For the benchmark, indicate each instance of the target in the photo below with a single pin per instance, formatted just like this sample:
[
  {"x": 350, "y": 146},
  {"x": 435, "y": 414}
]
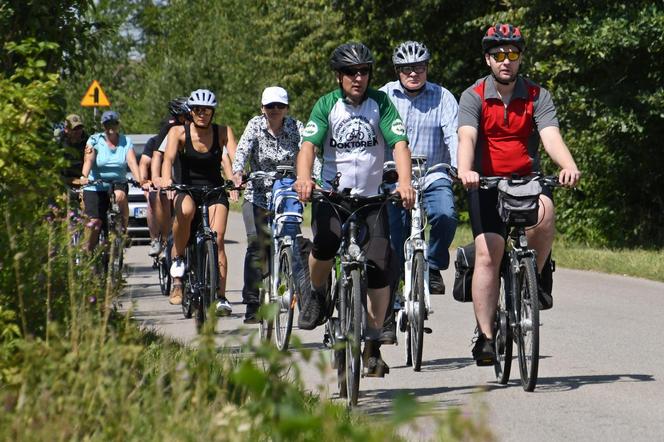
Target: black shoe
[
  {"x": 484, "y": 351},
  {"x": 389, "y": 334},
  {"x": 374, "y": 366},
  {"x": 311, "y": 308},
  {"x": 251, "y": 315},
  {"x": 436, "y": 284},
  {"x": 545, "y": 298}
]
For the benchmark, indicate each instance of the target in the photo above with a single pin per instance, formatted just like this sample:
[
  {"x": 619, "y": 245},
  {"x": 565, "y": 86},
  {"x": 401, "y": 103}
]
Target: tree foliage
[{"x": 599, "y": 59}]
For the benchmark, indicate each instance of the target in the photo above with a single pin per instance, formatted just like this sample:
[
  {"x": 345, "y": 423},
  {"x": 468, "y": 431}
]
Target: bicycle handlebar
[{"x": 546, "y": 180}]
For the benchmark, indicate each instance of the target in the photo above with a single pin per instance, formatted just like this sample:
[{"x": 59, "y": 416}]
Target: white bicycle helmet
[
  {"x": 202, "y": 97},
  {"x": 410, "y": 52}
]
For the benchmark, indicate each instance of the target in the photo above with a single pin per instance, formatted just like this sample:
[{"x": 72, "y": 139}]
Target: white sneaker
[
  {"x": 177, "y": 268},
  {"x": 155, "y": 248},
  {"x": 223, "y": 307}
]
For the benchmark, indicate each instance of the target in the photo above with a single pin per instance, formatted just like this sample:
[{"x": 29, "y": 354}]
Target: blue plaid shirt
[{"x": 431, "y": 123}]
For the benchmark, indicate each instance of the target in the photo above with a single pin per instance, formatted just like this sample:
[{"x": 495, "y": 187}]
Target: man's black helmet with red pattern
[{"x": 503, "y": 34}]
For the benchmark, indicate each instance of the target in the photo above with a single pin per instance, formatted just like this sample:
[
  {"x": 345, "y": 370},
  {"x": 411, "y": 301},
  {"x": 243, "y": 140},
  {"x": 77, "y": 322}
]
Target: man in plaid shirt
[{"x": 429, "y": 113}]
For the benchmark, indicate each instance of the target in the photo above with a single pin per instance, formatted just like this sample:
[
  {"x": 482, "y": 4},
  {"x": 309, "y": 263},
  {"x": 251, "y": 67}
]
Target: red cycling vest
[{"x": 505, "y": 132}]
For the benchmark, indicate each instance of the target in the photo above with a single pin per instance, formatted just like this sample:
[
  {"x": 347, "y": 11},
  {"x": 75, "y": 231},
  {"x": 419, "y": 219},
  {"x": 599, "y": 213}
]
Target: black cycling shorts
[
  {"x": 326, "y": 227},
  {"x": 97, "y": 202},
  {"x": 483, "y": 211},
  {"x": 218, "y": 197}
]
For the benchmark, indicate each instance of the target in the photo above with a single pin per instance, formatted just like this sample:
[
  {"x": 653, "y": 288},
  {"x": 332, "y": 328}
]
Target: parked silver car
[{"x": 138, "y": 206}]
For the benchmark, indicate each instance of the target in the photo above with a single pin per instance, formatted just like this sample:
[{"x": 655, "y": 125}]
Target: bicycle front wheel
[
  {"x": 285, "y": 299},
  {"x": 418, "y": 310},
  {"x": 503, "y": 330},
  {"x": 208, "y": 282},
  {"x": 164, "y": 276},
  {"x": 528, "y": 324},
  {"x": 353, "y": 335}
]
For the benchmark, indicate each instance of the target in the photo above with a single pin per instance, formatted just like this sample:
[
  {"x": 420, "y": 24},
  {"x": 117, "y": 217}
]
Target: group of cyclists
[{"x": 494, "y": 130}]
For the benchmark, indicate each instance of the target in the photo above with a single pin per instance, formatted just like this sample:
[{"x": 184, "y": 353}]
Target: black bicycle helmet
[
  {"x": 350, "y": 54},
  {"x": 503, "y": 34},
  {"x": 178, "y": 106}
]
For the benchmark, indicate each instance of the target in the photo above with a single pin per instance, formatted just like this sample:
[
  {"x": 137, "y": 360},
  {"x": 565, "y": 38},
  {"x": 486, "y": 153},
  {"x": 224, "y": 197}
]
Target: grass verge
[{"x": 640, "y": 263}]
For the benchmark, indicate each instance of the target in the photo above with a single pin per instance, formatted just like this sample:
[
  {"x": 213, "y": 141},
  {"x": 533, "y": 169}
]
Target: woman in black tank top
[{"x": 200, "y": 148}]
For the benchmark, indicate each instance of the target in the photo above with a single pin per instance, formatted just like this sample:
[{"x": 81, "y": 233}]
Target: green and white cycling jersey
[{"x": 353, "y": 139}]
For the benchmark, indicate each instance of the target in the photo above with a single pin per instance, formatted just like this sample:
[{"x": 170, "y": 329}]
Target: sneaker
[
  {"x": 155, "y": 248},
  {"x": 311, "y": 308},
  {"x": 389, "y": 334},
  {"x": 374, "y": 365},
  {"x": 177, "y": 268},
  {"x": 251, "y": 315},
  {"x": 175, "y": 298},
  {"x": 223, "y": 307},
  {"x": 436, "y": 284},
  {"x": 484, "y": 351}
]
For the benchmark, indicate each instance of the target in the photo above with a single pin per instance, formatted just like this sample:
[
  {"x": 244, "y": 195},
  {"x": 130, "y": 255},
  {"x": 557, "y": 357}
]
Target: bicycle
[
  {"x": 416, "y": 303},
  {"x": 162, "y": 264},
  {"x": 201, "y": 278},
  {"x": 279, "y": 284},
  {"x": 112, "y": 236},
  {"x": 517, "y": 317},
  {"x": 344, "y": 334}
]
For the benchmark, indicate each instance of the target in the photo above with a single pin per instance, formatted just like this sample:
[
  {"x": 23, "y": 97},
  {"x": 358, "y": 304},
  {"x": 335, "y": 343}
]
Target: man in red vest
[{"x": 502, "y": 118}]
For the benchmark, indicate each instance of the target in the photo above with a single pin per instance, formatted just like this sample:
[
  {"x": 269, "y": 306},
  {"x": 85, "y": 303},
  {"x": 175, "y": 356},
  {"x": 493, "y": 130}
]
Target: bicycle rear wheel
[
  {"x": 528, "y": 324},
  {"x": 353, "y": 335},
  {"x": 503, "y": 329},
  {"x": 188, "y": 285},
  {"x": 418, "y": 309},
  {"x": 208, "y": 282},
  {"x": 266, "y": 325},
  {"x": 285, "y": 299}
]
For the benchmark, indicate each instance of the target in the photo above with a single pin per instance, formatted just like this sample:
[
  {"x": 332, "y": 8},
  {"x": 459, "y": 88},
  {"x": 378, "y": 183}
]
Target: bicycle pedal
[{"x": 427, "y": 330}]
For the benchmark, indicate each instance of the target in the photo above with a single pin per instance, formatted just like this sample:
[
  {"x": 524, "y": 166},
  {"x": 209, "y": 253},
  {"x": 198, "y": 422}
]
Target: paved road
[{"x": 601, "y": 370}]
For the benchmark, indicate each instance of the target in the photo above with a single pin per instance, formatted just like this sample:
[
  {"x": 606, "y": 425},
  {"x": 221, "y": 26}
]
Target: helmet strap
[{"x": 203, "y": 127}]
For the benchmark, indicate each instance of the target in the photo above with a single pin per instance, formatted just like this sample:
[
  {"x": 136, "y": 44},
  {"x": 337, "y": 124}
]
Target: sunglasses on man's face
[
  {"x": 354, "y": 72},
  {"x": 407, "y": 70},
  {"x": 275, "y": 106},
  {"x": 110, "y": 124},
  {"x": 501, "y": 56},
  {"x": 198, "y": 110}
]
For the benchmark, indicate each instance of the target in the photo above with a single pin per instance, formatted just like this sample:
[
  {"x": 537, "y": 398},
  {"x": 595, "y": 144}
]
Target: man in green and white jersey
[{"x": 350, "y": 129}]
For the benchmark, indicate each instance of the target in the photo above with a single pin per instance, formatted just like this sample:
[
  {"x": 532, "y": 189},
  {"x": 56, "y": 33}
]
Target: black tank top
[{"x": 201, "y": 169}]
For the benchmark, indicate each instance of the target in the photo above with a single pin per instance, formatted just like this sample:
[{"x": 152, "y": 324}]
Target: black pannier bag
[
  {"x": 518, "y": 204},
  {"x": 463, "y": 276}
]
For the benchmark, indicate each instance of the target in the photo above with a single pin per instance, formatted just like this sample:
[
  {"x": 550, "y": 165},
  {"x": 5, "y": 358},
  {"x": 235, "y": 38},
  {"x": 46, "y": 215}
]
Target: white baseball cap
[{"x": 274, "y": 94}]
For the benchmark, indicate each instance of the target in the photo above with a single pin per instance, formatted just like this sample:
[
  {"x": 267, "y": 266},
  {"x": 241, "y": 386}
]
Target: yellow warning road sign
[{"x": 95, "y": 96}]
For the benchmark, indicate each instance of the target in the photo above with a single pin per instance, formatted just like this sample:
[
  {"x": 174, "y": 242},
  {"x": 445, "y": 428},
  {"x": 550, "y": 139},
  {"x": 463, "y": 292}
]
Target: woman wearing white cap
[{"x": 270, "y": 139}]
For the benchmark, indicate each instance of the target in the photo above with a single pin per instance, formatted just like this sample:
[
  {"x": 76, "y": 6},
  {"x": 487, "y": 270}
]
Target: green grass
[{"x": 639, "y": 263}]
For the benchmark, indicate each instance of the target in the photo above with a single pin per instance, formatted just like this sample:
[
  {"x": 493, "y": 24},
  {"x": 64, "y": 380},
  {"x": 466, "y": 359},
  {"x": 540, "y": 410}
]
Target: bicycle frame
[{"x": 416, "y": 241}]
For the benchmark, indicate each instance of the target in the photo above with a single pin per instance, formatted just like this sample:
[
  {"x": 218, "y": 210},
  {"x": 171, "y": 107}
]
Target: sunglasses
[
  {"x": 275, "y": 106},
  {"x": 418, "y": 69},
  {"x": 354, "y": 72},
  {"x": 202, "y": 110},
  {"x": 501, "y": 56},
  {"x": 111, "y": 123}
]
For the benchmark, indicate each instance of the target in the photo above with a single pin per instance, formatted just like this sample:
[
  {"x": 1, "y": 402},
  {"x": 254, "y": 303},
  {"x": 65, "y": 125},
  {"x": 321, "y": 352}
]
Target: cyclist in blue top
[{"x": 107, "y": 155}]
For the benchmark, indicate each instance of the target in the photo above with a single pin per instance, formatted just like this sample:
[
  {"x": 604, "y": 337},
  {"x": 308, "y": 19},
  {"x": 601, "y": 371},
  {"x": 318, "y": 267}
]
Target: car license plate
[{"x": 140, "y": 212}]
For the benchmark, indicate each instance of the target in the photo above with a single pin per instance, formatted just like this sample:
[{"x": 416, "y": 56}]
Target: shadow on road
[
  {"x": 549, "y": 385},
  {"x": 380, "y": 401}
]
